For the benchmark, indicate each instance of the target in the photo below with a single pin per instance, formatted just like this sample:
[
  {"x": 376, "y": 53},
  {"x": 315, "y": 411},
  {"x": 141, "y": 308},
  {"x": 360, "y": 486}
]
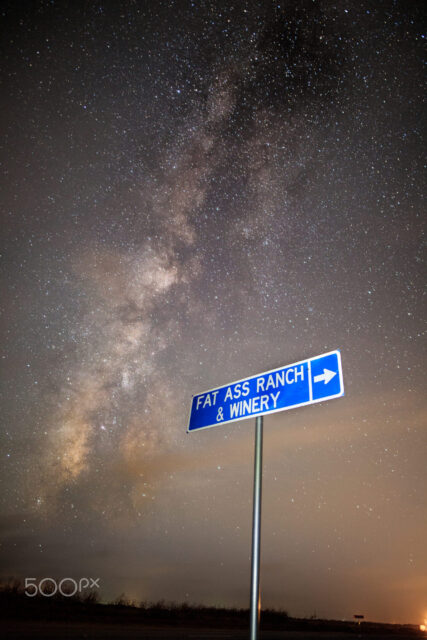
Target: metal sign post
[
  {"x": 295, "y": 385},
  {"x": 256, "y": 531}
]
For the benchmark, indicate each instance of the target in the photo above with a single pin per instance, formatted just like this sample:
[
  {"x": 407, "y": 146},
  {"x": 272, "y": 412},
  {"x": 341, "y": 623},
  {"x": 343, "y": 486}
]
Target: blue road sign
[{"x": 295, "y": 385}]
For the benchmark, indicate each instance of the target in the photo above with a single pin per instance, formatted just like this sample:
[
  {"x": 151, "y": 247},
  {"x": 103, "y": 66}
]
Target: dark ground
[
  {"x": 26, "y": 630},
  {"x": 36, "y": 629},
  {"x": 62, "y": 618}
]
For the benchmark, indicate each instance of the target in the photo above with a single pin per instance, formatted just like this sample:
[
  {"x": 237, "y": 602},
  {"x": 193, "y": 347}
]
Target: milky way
[{"x": 193, "y": 193}]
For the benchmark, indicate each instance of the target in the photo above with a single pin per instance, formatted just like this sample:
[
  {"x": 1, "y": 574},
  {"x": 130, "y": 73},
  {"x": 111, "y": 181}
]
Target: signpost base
[{"x": 256, "y": 532}]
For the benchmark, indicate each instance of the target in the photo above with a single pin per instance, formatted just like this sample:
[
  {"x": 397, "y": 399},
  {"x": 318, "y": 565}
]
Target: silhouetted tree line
[{"x": 85, "y": 607}]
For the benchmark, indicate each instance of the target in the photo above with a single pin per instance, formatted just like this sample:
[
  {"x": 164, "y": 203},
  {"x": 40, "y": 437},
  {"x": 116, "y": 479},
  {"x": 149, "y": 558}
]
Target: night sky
[{"x": 193, "y": 193}]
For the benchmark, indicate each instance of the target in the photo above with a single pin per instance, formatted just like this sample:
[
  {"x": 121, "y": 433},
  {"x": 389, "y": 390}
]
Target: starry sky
[{"x": 193, "y": 193}]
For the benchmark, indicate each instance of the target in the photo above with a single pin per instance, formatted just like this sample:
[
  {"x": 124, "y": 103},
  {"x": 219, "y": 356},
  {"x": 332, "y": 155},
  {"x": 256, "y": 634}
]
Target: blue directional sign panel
[{"x": 295, "y": 385}]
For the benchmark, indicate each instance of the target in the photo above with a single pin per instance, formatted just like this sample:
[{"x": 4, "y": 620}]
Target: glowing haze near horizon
[{"x": 195, "y": 192}]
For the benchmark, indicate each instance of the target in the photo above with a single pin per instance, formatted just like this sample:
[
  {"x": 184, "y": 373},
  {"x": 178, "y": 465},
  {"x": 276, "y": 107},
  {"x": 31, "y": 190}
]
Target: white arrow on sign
[{"x": 326, "y": 376}]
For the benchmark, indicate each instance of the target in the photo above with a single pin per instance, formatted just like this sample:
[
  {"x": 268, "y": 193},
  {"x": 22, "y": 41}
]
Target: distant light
[{"x": 423, "y": 627}]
